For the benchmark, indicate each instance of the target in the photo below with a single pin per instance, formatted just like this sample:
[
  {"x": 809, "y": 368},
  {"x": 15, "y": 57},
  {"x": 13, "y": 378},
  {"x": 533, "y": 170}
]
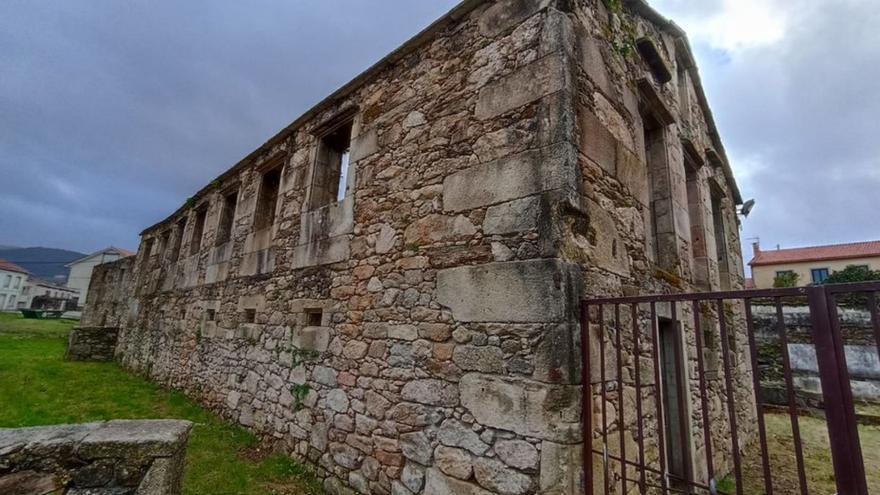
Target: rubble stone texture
[
  {"x": 421, "y": 335},
  {"x": 123, "y": 457}
]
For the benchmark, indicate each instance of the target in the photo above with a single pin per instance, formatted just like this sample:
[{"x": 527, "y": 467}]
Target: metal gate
[{"x": 666, "y": 415}]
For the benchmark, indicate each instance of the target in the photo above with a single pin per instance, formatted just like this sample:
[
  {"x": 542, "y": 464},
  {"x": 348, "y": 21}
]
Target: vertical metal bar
[
  {"x": 586, "y": 398},
  {"x": 658, "y": 398},
  {"x": 621, "y": 429},
  {"x": 789, "y": 390},
  {"x": 848, "y": 426},
  {"x": 704, "y": 392},
  {"x": 637, "y": 354},
  {"x": 680, "y": 370},
  {"x": 604, "y": 399},
  {"x": 875, "y": 319},
  {"x": 731, "y": 400},
  {"x": 756, "y": 383}
]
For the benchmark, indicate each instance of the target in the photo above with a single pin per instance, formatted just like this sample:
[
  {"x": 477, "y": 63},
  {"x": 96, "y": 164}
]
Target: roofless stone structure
[{"x": 388, "y": 288}]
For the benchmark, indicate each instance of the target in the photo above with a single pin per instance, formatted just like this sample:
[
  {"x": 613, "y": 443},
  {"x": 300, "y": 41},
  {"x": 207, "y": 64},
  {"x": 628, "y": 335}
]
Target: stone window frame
[
  {"x": 661, "y": 244},
  {"x": 720, "y": 227},
  {"x": 275, "y": 164},
  {"x": 347, "y": 117},
  {"x": 221, "y": 202},
  {"x": 698, "y": 221},
  {"x": 177, "y": 245},
  {"x": 199, "y": 215}
]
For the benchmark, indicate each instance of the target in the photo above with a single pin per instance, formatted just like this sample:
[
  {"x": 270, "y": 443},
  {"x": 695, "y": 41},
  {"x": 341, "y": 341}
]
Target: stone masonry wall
[
  {"x": 120, "y": 457},
  {"x": 420, "y": 335},
  {"x": 92, "y": 344}
]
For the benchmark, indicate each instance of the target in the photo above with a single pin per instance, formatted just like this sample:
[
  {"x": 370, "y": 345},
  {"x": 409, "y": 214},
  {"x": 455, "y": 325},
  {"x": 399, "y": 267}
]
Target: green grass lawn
[{"x": 37, "y": 387}]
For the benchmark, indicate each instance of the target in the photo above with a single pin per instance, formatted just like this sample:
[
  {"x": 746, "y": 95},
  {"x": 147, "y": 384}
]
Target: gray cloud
[{"x": 112, "y": 113}]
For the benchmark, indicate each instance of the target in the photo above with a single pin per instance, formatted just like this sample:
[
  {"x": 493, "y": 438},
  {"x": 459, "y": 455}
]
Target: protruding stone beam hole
[
  {"x": 314, "y": 317},
  {"x": 250, "y": 315}
]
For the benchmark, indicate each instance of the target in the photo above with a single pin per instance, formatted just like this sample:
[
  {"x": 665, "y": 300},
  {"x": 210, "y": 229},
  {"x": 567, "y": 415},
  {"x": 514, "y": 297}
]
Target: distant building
[
  {"x": 40, "y": 294},
  {"x": 812, "y": 264},
  {"x": 12, "y": 280},
  {"x": 81, "y": 269}
]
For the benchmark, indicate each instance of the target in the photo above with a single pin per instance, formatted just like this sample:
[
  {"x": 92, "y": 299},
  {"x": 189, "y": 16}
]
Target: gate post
[{"x": 849, "y": 467}]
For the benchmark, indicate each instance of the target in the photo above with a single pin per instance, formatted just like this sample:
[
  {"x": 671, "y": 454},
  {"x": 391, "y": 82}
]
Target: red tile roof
[
  {"x": 11, "y": 267},
  {"x": 817, "y": 253}
]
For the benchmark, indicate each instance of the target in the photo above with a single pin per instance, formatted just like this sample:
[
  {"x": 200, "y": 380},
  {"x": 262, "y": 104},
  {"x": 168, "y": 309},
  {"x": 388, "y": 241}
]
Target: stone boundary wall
[
  {"x": 863, "y": 362},
  {"x": 92, "y": 343},
  {"x": 119, "y": 457}
]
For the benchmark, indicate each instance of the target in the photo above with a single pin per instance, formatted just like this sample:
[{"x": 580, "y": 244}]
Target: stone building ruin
[{"x": 389, "y": 287}]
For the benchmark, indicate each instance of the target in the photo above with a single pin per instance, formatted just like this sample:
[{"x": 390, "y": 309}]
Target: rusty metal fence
[{"x": 649, "y": 389}]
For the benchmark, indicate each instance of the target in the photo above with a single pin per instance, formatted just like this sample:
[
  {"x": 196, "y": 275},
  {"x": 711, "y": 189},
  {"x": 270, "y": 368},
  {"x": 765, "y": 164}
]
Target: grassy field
[
  {"x": 817, "y": 457},
  {"x": 37, "y": 387}
]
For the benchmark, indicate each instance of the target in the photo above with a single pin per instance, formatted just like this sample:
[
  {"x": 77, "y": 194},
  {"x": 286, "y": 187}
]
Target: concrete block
[
  {"x": 528, "y": 84},
  {"x": 512, "y": 177},
  {"x": 516, "y": 216},
  {"x": 520, "y": 291},
  {"x": 526, "y": 407}
]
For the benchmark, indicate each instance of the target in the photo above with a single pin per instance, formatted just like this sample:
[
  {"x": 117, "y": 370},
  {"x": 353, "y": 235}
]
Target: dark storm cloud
[{"x": 112, "y": 113}]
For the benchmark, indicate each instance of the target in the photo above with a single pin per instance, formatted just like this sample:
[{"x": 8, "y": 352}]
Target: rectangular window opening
[
  {"x": 819, "y": 275},
  {"x": 267, "y": 201},
  {"x": 164, "y": 242},
  {"x": 655, "y": 149},
  {"x": 148, "y": 248},
  {"x": 227, "y": 218},
  {"x": 332, "y": 167},
  {"x": 178, "y": 240},
  {"x": 314, "y": 317},
  {"x": 250, "y": 315},
  {"x": 210, "y": 315},
  {"x": 198, "y": 231}
]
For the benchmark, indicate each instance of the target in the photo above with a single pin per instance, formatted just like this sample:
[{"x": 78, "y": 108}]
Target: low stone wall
[
  {"x": 115, "y": 457},
  {"x": 862, "y": 359},
  {"x": 92, "y": 343}
]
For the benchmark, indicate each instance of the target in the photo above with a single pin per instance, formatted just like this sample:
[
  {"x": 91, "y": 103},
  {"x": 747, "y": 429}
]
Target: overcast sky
[{"x": 113, "y": 112}]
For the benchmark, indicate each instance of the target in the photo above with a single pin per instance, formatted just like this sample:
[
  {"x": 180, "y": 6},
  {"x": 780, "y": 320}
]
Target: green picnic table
[{"x": 39, "y": 314}]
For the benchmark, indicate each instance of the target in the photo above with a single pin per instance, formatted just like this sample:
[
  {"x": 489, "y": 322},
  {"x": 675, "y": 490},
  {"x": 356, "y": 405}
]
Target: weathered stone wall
[
  {"x": 119, "y": 457},
  {"x": 421, "y": 334},
  {"x": 92, "y": 344},
  {"x": 860, "y": 351}
]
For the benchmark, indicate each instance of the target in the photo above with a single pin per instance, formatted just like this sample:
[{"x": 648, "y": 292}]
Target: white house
[
  {"x": 81, "y": 269},
  {"x": 48, "y": 295},
  {"x": 12, "y": 281}
]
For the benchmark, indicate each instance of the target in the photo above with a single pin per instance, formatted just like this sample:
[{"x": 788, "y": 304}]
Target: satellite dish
[{"x": 746, "y": 208}]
